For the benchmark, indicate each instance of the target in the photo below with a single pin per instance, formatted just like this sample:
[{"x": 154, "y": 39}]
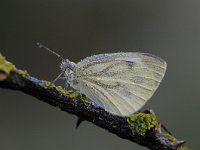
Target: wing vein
[
  {"x": 101, "y": 90},
  {"x": 116, "y": 80},
  {"x": 125, "y": 100}
]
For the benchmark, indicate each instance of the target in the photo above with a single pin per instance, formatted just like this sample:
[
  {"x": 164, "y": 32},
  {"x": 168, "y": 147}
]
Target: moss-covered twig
[{"x": 141, "y": 128}]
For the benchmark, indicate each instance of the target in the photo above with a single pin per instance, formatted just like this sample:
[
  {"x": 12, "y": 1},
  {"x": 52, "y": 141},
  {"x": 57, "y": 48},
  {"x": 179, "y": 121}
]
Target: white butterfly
[{"x": 121, "y": 83}]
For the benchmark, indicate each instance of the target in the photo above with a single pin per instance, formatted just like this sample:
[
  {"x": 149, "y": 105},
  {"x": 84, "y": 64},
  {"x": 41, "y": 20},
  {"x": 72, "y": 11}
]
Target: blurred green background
[{"x": 80, "y": 28}]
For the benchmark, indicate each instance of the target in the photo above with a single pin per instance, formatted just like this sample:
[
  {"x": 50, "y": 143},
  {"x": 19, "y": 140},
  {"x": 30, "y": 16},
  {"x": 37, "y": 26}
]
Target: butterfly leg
[
  {"x": 67, "y": 86},
  {"x": 58, "y": 77}
]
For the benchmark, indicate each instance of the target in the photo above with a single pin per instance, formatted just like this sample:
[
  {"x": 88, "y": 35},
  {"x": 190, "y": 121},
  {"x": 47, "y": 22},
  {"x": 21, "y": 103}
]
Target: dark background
[{"x": 80, "y": 28}]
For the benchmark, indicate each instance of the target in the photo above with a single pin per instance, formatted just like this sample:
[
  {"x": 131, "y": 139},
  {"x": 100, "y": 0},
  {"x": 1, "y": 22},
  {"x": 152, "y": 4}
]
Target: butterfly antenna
[{"x": 49, "y": 50}]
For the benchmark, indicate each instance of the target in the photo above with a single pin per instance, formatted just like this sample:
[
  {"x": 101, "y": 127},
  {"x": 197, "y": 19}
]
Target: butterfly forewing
[{"x": 121, "y": 83}]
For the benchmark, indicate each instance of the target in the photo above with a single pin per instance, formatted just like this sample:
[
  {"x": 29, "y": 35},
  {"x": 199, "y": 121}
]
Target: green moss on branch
[
  {"x": 169, "y": 136},
  {"x": 143, "y": 122},
  {"x": 5, "y": 66},
  {"x": 70, "y": 93},
  {"x": 183, "y": 148}
]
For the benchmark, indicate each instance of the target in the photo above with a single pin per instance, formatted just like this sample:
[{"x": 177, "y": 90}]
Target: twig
[{"x": 147, "y": 134}]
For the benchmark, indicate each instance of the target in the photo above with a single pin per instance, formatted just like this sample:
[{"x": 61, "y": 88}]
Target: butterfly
[{"x": 121, "y": 83}]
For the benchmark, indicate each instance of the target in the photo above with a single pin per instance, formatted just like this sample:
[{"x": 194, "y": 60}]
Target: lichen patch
[
  {"x": 143, "y": 122},
  {"x": 5, "y": 66}
]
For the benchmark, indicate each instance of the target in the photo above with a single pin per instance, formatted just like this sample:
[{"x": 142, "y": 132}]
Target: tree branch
[{"x": 141, "y": 128}]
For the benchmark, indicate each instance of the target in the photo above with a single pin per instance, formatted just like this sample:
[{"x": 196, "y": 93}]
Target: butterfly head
[{"x": 66, "y": 65}]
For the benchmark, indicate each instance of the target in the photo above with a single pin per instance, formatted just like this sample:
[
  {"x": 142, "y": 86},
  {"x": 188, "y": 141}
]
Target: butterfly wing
[{"x": 121, "y": 83}]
